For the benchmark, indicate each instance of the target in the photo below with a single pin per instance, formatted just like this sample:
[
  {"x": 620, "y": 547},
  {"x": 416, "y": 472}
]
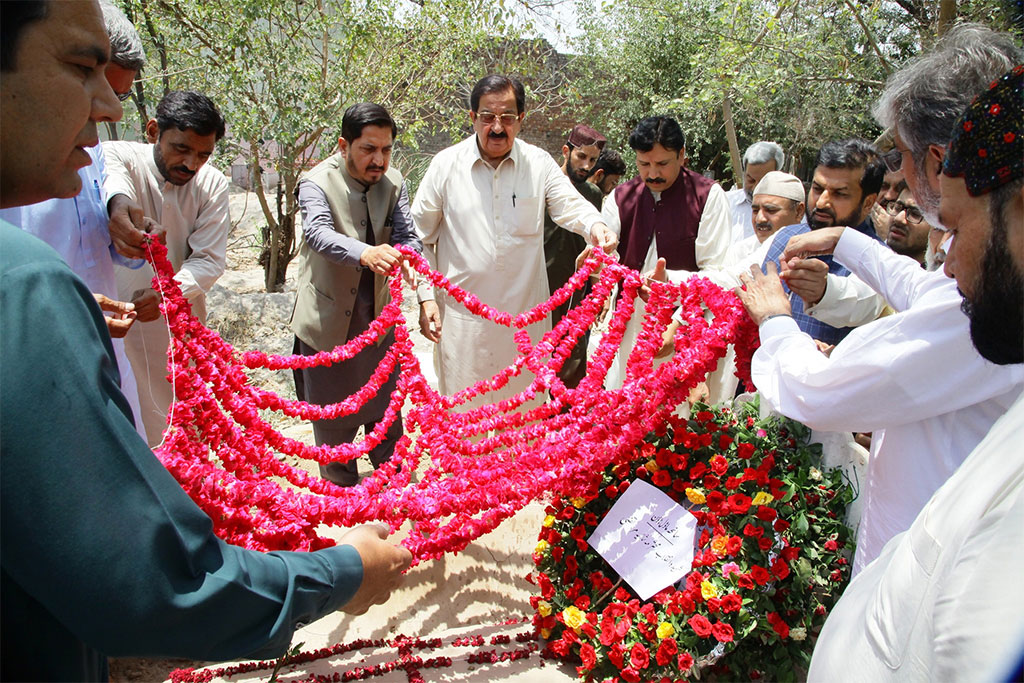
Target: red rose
[
  {"x": 733, "y": 483},
  {"x": 739, "y": 503},
  {"x": 583, "y": 602},
  {"x": 667, "y": 651},
  {"x": 588, "y": 656},
  {"x": 684, "y": 662},
  {"x": 781, "y": 628},
  {"x": 745, "y": 450},
  {"x": 698, "y": 470},
  {"x": 557, "y": 552},
  {"x": 719, "y": 465},
  {"x": 831, "y": 545},
  {"x": 617, "y": 655},
  {"x": 760, "y": 575},
  {"x": 734, "y": 545},
  {"x": 639, "y": 657},
  {"x": 611, "y": 490},
  {"x": 766, "y": 513},
  {"x": 744, "y": 581},
  {"x": 723, "y": 632},
  {"x": 791, "y": 553},
  {"x": 764, "y": 543},
  {"x": 607, "y": 636},
  {"x": 630, "y": 675},
  {"x": 780, "y": 525},
  {"x": 700, "y": 625},
  {"x": 714, "y": 500},
  {"x": 732, "y": 603},
  {"x": 780, "y": 569},
  {"x": 711, "y": 481},
  {"x": 751, "y": 530},
  {"x": 661, "y": 478},
  {"x": 705, "y": 416},
  {"x": 724, "y": 441}
]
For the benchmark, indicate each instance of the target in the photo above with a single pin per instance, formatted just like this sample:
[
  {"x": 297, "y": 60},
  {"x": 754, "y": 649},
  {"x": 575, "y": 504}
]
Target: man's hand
[
  {"x": 762, "y": 294},
  {"x": 603, "y": 238},
  {"x": 807, "y": 277},
  {"x": 147, "y": 304},
  {"x": 383, "y": 564},
  {"x": 656, "y": 275},
  {"x": 381, "y": 259},
  {"x": 121, "y": 318},
  {"x": 430, "y": 320},
  {"x": 129, "y": 227},
  {"x": 814, "y": 243}
]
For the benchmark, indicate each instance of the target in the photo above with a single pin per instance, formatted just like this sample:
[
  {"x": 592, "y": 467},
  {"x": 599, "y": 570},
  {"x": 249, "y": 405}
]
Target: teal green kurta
[{"x": 102, "y": 552}]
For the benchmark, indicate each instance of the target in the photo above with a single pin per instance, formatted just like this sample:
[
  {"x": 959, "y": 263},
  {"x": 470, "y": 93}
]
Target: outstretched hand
[
  {"x": 383, "y": 564},
  {"x": 122, "y": 315},
  {"x": 814, "y": 243},
  {"x": 129, "y": 227},
  {"x": 762, "y": 294}
]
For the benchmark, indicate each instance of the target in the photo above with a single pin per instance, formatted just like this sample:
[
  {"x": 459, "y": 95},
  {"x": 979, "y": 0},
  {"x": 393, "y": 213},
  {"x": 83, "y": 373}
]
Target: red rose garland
[{"x": 476, "y": 467}]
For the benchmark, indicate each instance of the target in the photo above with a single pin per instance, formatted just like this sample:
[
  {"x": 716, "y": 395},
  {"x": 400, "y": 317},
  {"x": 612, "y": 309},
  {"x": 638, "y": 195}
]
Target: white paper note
[{"x": 647, "y": 538}]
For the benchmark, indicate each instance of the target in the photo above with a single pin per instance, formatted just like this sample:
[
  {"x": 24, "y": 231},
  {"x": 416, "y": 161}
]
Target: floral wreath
[{"x": 771, "y": 559}]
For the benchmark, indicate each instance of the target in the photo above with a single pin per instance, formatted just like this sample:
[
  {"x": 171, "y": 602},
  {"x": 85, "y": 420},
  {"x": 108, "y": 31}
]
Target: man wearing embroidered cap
[
  {"x": 919, "y": 612},
  {"x": 561, "y": 247},
  {"x": 778, "y": 201},
  {"x": 882, "y": 377}
]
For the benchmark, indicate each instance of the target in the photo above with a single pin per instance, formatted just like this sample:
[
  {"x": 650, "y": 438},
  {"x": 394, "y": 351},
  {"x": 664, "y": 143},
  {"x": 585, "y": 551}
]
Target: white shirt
[
  {"x": 944, "y": 601},
  {"x": 483, "y": 229},
  {"x": 196, "y": 218},
  {"x": 741, "y": 210},
  {"x": 711, "y": 252},
  {"x": 78, "y": 229},
  {"x": 847, "y": 302},
  {"x": 914, "y": 379}
]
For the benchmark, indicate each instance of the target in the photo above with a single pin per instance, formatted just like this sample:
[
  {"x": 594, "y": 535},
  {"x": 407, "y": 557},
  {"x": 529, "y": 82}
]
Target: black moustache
[
  {"x": 497, "y": 136},
  {"x": 652, "y": 181},
  {"x": 183, "y": 170}
]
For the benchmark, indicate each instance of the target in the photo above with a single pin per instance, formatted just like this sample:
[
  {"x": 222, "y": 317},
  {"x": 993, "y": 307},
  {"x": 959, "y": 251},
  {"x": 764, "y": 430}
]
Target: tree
[{"x": 283, "y": 71}]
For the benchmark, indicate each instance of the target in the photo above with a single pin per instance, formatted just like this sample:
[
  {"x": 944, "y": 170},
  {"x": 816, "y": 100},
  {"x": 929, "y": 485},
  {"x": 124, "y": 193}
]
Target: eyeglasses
[
  {"x": 124, "y": 96},
  {"x": 487, "y": 118},
  {"x": 893, "y": 160},
  {"x": 914, "y": 214}
]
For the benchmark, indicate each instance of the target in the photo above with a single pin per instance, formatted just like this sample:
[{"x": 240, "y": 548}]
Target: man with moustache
[
  {"x": 778, "y": 201},
  {"x": 944, "y": 601},
  {"x": 882, "y": 377},
  {"x": 169, "y": 182},
  {"x": 562, "y": 247},
  {"x": 102, "y": 552},
  {"x": 672, "y": 222},
  {"x": 844, "y": 187},
  {"x": 758, "y": 159},
  {"x": 479, "y": 211},
  {"x": 355, "y": 207}
]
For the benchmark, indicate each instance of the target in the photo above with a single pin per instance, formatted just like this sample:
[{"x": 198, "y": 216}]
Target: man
[
  {"x": 608, "y": 171},
  {"x": 480, "y": 212},
  {"x": 882, "y": 378},
  {"x": 778, "y": 201},
  {"x": 908, "y": 232},
  {"x": 168, "y": 181},
  {"x": 760, "y": 158},
  {"x": 562, "y": 247},
  {"x": 78, "y": 227},
  {"x": 354, "y": 208},
  {"x": 844, "y": 187},
  {"x": 917, "y": 613},
  {"x": 101, "y": 551},
  {"x": 672, "y": 222},
  {"x": 892, "y": 185}
]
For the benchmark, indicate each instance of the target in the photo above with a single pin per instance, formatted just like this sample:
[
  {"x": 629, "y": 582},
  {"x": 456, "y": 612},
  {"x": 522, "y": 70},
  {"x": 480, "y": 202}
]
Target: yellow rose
[
  {"x": 695, "y": 496},
  {"x": 718, "y": 545},
  {"x": 652, "y": 465},
  {"x": 665, "y": 630},
  {"x": 573, "y": 618},
  {"x": 708, "y": 590},
  {"x": 541, "y": 546},
  {"x": 548, "y": 521},
  {"x": 762, "y": 498},
  {"x": 544, "y": 608},
  {"x": 578, "y": 502}
]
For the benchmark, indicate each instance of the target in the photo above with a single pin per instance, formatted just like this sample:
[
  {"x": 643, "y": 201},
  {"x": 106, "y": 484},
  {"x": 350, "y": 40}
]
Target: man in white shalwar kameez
[
  {"x": 172, "y": 183},
  {"x": 480, "y": 213}
]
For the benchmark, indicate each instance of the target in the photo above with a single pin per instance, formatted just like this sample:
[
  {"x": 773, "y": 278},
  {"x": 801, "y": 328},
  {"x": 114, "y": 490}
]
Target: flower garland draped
[{"x": 473, "y": 468}]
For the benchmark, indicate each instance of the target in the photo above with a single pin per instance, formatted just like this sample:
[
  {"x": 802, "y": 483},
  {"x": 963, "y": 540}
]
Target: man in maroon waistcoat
[{"x": 667, "y": 218}]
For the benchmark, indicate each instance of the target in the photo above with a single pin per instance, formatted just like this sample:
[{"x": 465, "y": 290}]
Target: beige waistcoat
[{"x": 326, "y": 291}]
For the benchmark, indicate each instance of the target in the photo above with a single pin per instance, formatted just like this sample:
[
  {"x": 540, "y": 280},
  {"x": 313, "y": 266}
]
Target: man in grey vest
[{"x": 354, "y": 209}]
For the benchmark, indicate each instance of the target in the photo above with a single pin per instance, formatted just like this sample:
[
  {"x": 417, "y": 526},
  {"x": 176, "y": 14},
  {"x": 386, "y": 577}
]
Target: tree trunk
[
  {"x": 947, "y": 13},
  {"x": 734, "y": 147}
]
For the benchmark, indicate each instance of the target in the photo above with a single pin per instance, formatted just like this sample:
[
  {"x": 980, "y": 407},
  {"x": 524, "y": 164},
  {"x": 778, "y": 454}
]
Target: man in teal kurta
[{"x": 102, "y": 552}]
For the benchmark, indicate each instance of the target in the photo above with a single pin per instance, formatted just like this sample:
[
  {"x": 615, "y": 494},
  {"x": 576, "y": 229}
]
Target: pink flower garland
[{"x": 476, "y": 467}]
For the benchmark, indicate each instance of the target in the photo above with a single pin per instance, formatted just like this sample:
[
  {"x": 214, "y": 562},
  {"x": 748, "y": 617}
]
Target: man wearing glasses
[
  {"x": 77, "y": 228},
  {"x": 480, "y": 213},
  {"x": 908, "y": 230}
]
